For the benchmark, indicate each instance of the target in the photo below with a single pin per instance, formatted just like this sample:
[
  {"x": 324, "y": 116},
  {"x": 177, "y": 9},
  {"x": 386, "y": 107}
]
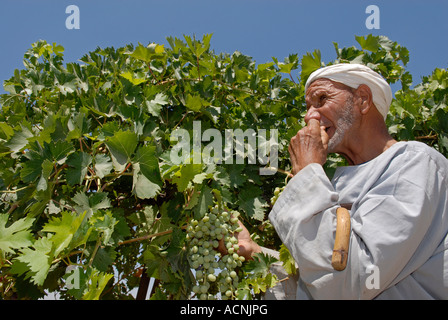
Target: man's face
[{"x": 331, "y": 103}]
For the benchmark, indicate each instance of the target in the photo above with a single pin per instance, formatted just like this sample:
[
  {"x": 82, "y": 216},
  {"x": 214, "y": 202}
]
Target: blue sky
[{"x": 259, "y": 28}]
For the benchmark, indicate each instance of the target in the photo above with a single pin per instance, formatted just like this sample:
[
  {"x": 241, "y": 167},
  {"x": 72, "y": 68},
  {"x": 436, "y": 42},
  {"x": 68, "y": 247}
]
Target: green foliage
[
  {"x": 287, "y": 259},
  {"x": 258, "y": 277},
  {"x": 86, "y": 178}
]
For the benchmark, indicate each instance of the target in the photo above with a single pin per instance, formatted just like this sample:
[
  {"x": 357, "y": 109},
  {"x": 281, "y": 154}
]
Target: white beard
[{"x": 342, "y": 125}]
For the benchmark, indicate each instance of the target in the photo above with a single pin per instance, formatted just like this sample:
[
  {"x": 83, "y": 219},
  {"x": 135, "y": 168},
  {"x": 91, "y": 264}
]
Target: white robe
[{"x": 399, "y": 224}]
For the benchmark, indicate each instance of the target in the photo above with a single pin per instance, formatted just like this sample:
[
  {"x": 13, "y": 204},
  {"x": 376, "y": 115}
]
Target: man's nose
[{"x": 312, "y": 113}]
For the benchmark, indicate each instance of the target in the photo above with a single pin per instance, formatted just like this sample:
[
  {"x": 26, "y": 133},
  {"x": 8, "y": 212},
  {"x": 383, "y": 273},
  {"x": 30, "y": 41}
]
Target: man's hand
[
  {"x": 308, "y": 146},
  {"x": 247, "y": 247}
]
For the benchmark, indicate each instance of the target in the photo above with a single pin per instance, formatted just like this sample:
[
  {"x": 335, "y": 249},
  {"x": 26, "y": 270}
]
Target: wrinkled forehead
[{"x": 324, "y": 85}]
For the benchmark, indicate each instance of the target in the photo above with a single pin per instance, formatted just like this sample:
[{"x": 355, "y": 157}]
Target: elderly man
[{"x": 396, "y": 193}]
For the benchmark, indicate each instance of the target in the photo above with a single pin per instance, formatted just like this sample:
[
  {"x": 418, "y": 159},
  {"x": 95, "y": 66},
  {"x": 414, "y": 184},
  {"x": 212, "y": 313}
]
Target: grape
[
  {"x": 277, "y": 192},
  {"x": 211, "y": 277},
  {"x": 216, "y": 273}
]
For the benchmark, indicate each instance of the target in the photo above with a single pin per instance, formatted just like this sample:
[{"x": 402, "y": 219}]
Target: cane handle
[{"x": 342, "y": 239}]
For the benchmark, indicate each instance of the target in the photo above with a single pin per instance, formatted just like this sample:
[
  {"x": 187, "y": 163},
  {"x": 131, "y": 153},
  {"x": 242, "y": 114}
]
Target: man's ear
[{"x": 364, "y": 95}]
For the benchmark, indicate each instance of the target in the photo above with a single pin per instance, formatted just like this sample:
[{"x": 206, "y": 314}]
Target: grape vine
[{"x": 87, "y": 181}]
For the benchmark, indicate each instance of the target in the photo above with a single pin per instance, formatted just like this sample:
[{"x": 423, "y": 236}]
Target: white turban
[{"x": 353, "y": 75}]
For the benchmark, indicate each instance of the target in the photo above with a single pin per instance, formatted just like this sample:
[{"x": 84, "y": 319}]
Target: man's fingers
[
  {"x": 293, "y": 144},
  {"x": 317, "y": 129},
  {"x": 324, "y": 136},
  {"x": 313, "y": 126},
  {"x": 309, "y": 145}
]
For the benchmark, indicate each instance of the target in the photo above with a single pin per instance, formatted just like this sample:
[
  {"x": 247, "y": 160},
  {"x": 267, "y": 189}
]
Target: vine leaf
[
  {"x": 287, "y": 259},
  {"x": 132, "y": 78},
  {"x": 148, "y": 53},
  {"x": 35, "y": 262},
  {"x": 103, "y": 165},
  {"x": 15, "y": 236},
  {"x": 185, "y": 175},
  {"x": 250, "y": 201},
  {"x": 146, "y": 177},
  {"x": 156, "y": 104},
  {"x": 78, "y": 163},
  {"x": 64, "y": 229},
  {"x": 310, "y": 63},
  {"x": 91, "y": 204},
  {"x": 121, "y": 146},
  {"x": 195, "y": 103},
  {"x": 204, "y": 201},
  {"x": 96, "y": 283},
  {"x": 19, "y": 140}
]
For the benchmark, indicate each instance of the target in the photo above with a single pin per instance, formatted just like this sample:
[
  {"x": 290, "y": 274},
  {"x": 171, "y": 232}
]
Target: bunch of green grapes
[
  {"x": 277, "y": 192},
  {"x": 215, "y": 272}
]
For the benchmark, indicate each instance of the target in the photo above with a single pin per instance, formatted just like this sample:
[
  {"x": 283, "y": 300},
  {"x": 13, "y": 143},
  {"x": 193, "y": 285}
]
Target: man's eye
[{"x": 322, "y": 98}]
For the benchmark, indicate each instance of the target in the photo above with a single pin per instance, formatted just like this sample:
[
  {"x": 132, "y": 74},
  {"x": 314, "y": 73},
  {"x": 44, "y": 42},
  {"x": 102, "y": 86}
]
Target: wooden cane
[{"x": 342, "y": 239}]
